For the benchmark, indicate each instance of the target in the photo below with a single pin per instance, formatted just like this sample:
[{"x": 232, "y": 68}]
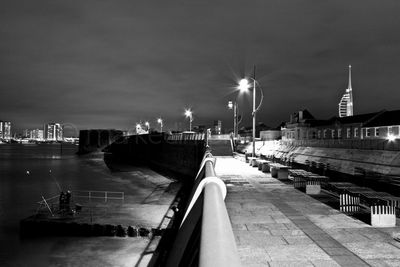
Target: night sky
[{"x": 110, "y": 64}]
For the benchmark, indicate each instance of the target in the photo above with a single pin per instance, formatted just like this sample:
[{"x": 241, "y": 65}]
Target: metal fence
[
  {"x": 368, "y": 144},
  {"x": 205, "y": 237},
  {"x": 52, "y": 203},
  {"x": 186, "y": 136}
]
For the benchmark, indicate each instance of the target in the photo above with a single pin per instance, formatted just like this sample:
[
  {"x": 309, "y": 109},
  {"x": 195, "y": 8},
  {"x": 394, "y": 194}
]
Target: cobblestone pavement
[{"x": 277, "y": 225}]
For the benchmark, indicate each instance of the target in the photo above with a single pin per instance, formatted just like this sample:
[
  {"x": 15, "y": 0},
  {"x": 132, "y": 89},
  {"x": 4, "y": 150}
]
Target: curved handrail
[{"x": 217, "y": 242}]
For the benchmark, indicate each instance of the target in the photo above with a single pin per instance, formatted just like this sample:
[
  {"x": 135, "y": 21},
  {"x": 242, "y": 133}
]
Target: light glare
[
  {"x": 188, "y": 113},
  {"x": 244, "y": 85},
  {"x": 391, "y": 137}
]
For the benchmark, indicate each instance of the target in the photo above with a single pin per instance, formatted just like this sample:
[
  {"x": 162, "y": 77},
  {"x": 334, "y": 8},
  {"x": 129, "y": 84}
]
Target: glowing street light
[
  {"x": 138, "y": 128},
  {"x": 147, "y": 125},
  {"x": 160, "y": 121},
  {"x": 189, "y": 114},
  {"x": 243, "y": 86},
  {"x": 391, "y": 137}
]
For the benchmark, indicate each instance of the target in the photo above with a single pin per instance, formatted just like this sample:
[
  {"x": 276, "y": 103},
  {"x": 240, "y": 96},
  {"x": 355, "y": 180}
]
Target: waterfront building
[
  {"x": 53, "y": 132},
  {"x": 376, "y": 125},
  {"x": 1, "y": 129},
  {"x": 346, "y": 102},
  {"x": 5, "y": 130},
  {"x": 36, "y": 134},
  {"x": 300, "y": 126}
]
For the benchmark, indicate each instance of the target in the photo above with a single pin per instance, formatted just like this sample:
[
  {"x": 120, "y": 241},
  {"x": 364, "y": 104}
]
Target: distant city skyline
[{"x": 98, "y": 64}]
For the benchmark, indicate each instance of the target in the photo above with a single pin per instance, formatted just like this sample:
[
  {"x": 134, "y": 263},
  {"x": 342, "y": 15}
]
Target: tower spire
[{"x": 349, "y": 77}]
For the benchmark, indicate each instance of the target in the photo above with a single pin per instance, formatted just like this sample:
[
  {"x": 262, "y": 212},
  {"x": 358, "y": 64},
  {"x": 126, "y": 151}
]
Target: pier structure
[
  {"x": 253, "y": 215},
  {"x": 277, "y": 225}
]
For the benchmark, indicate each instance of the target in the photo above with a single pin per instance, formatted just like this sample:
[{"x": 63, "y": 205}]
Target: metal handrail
[{"x": 217, "y": 243}]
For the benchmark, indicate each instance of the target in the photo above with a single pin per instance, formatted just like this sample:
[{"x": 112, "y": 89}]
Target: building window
[
  {"x": 319, "y": 134},
  {"x": 348, "y": 132},
  {"x": 368, "y": 132},
  {"x": 355, "y": 132},
  {"x": 339, "y": 133},
  {"x": 325, "y": 133},
  {"x": 333, "y": 133},
  {"x": 376, "y": 131},
  {"x": 390, "y": 130}
]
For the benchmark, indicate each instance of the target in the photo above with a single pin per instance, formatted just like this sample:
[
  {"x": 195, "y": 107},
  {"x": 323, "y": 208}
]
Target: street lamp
[
  {"x": 160, "y": 121},
  {"x": 234, "y": 106},
  {"x": 243, "y": 86},
  {"x": 148, "y": 126},
  {"x": 189, "y": 114},
  {"x": 138, "y": 127}
]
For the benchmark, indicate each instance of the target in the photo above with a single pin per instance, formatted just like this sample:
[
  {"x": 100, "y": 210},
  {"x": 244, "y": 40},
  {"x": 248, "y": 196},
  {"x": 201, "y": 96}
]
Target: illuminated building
[
  {"x": 53, "y": 132},
  {"x": 5, "y": 130},
  {"x": 346, "y": 103}
]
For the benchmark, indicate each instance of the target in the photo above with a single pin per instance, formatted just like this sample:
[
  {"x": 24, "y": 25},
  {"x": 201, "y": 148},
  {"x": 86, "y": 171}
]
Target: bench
[
  {"x": 279, "y": 171},
  {"x": 253, "y": 161},
  {"x": 263, "y": 165},
  {"x": 383, "y": 206},
  {"x": 308, "y": 180}
]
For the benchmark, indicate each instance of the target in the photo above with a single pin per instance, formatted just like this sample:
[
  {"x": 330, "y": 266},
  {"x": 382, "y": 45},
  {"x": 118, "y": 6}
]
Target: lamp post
[
  {"x": 244, "y": 86},
  {"x": 160, "y": 121},
  {"x": 233, "y": 105},
  {"x": 148, "y": 126},
  {"x": 189, "y": 114},
  {"x": 138, "y": 127}
]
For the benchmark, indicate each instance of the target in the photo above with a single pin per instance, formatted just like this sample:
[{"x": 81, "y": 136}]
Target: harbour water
[{"x": 28, "y": 172}]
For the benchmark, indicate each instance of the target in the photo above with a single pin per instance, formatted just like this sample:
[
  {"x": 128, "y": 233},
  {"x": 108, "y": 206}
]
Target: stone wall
[
  {"x": 181, "y": 157},
  {"x": 343, "y": 160}
]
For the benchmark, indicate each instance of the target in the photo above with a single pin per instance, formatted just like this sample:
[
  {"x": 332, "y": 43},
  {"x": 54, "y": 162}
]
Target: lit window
[
  {"x": 368, "y": 132},
  {"x": 319, "y": 133},
  {"x": 376, "y": 131},
  {"x": 333, "y": 133},
  {"x": 355, "y": 132},
  {"x": 339, "y": 133},
  {"x": 325, "y": 133},
  {"x": 348, "y": 132}
]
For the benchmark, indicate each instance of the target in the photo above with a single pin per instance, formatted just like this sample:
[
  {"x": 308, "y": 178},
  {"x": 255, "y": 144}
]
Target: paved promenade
[{"x": 277, "y": 225}]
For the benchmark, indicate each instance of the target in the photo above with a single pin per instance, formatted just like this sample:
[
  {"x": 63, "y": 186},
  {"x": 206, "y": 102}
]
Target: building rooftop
[{"x": 386, "y": 118}]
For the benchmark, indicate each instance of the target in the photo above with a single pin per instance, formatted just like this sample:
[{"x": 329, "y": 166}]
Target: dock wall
[
  {"x": 181, "y": 157},
  {"x": 343, "y": 160}
]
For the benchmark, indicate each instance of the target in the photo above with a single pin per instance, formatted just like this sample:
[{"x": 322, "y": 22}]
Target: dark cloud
[{"x": 112, "y": 63}]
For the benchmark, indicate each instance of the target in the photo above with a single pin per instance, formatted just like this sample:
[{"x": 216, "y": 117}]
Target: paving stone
[
  {"x": 325, "y": 263},
  {"x": 349, "y": 261},
  {"x": 380, "y": 263},
  {"x": 371, "y": 250},
  {"x": 288, "y": 263},
  {"x": 288, "y": 232},
  {"x": 299, "y": 252},
  {"x": 258, "y": 239},
  {"x": 335, "y": 251},
  {"x": 250, "y": 256},
  {"x": 296, "y": 240}
]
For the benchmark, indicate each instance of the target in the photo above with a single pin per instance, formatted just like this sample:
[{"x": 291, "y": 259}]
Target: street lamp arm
[{"x": 262, "y": 95}]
